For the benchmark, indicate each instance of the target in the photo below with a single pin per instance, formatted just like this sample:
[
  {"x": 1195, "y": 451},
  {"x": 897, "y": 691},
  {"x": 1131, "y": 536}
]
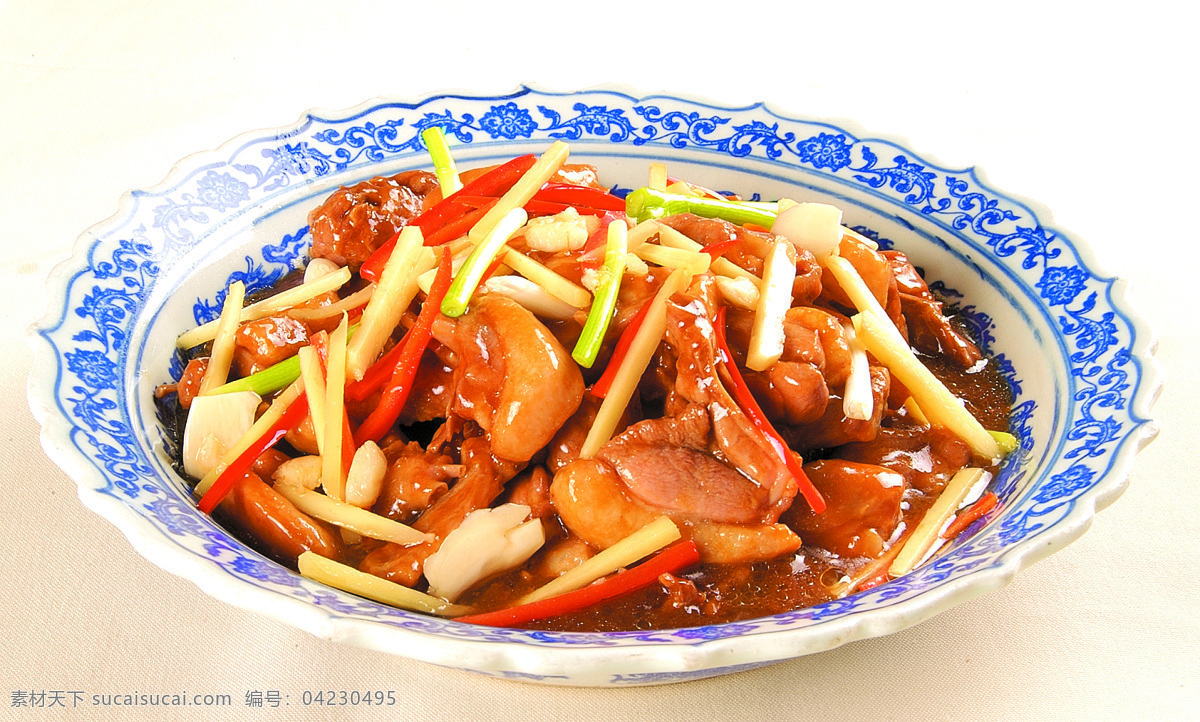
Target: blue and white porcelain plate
[{"x": 1078, "y": 359}]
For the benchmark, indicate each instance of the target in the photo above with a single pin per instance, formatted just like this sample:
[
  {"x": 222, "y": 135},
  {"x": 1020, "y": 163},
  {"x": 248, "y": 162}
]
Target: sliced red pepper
[
  {"x": 675, "y": 557},
  {"x": 604, "y": 383},
  {"x": 581, "y": 197},
  {"x": 720, "y": 248},
  {"x": 756, "y": 228},
  {"x": 391, "y": 403},
  {"x": 745, "y": 399},
  {"x": 238, "y": 468},
  {"x": 376, "y": 375},
  {"x": 494, "y": 183},
  {"x": 461, "y": 225},
  {"x": 983, "y": 505}
]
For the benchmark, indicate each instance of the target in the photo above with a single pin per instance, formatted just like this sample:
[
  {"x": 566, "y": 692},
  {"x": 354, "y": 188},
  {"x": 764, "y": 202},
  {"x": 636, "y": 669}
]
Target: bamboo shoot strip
[
  {"x": 935, "y": 400},
  {"x": 266, "y": 307},
  {"x": 348, "y": 579},
  {"x": 929, "y": 530},
  {"x": 643, "y": 542}
]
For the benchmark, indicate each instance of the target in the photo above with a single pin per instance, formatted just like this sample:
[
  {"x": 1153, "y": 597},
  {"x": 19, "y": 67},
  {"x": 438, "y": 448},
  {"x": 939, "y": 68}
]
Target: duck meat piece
[
  {"x": 482, "y": 481},
  {"x": 513, "y": 378},
  {"x": 264, "y": 342},
  {"x": 925, "y": 456},
  {"x": 834, "y": 428},
  {"x": 277, "y": 528},
  {"x": 690, "y": 333},
  {"x": 864, "y": 507},
  {"x": 413, "y": 481},
  {"x": 355, "y": 220},
  {"x": 668, "y": 464},
  {"x": 595, "y": 506}
]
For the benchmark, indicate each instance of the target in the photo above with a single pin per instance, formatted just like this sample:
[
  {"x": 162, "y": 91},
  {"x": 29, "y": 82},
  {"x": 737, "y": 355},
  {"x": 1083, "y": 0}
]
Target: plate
[{"x": 1079, "y": 360}]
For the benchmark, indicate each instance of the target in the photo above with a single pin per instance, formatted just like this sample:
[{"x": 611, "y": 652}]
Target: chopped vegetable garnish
[
  {"x": 647, "y": 540},
  {"x": 520, "y": 193},
  {"x": 605, "y": 299},
  {"x": 335, "y": 448},
  {"x": 974, "y": 513},
  {"x": 314, "y": 388},
  {"x": 581, "y": 197},
  {"x": 745, "y": 399},
  {"x": 214, "y": 424},
  {"x": 488, "y": 541},
  {"x": 348, "y": 579},
  {"x": 396, "y": 289},
  {"x": 443, "y": 163},
  {"x": 626, "y": 377},
  {"x": 858, "y": 399},
  {"x": 226, "y": 337},
  {"x": 670, "y": 560},
  {"x": 815, "y": 227},
  {"x": 600, "y": 388},
  {"x": 928, "y": 531}
]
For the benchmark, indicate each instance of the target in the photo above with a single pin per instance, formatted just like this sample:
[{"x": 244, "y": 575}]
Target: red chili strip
[
  {"x": 720, "y": 248},
  {"x": 494, "y": 183},
  {"x": 376, "y": 375},
  {"x": 982, "y": 506},
  {"x": 675, "y": 557},
  {"x": 580, "y": 196},
  {"x": 238, "y": 468},
  {"x": 620, "y": 351},
  {"x": 756, "y": 228},
  {"x": 459, "y": 226},
  {"x": 745, "y": 399},
  {"x": 391, "y": 403}
]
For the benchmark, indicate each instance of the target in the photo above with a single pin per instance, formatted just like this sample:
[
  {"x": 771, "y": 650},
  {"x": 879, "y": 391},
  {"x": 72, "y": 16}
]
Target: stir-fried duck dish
[{"x": 511, "y": 397}]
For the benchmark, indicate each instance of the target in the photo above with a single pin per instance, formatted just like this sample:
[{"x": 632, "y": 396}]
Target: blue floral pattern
[{"x": 96, "y": 339}]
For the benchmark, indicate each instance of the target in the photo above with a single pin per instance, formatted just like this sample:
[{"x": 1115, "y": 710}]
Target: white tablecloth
[{"x": 1087, "y": 111}]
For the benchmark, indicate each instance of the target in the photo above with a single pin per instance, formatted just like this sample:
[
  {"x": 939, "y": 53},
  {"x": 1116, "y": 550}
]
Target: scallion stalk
[
  {"x": 471, "y": 273},
  {"x": 605, "y": 299},
  {"x": 646, "y": 203},
  {"x": 443, "y": 163}
]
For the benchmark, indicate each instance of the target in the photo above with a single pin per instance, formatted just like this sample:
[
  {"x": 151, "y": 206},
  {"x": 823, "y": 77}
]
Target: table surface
[{"x": 1090, "y": 115}]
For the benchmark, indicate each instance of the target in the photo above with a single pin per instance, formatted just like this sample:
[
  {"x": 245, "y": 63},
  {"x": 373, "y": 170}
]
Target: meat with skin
[
  {"x": 264, "y": 342},
  {"x": 595, "y": 506},
  {"x": 929, "y": 330},
  {"x": 863, "y": 507},
  {"x": 667, "y": 464},
  {"x": 691, "y": 334},
  {"x": 834, "y": 428},
  {"x": 514, "y": 379},
  {"x": 925, "y": 457},
  {"x": 279, "y": 529},
  {"x": 356, "y": 220}
]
